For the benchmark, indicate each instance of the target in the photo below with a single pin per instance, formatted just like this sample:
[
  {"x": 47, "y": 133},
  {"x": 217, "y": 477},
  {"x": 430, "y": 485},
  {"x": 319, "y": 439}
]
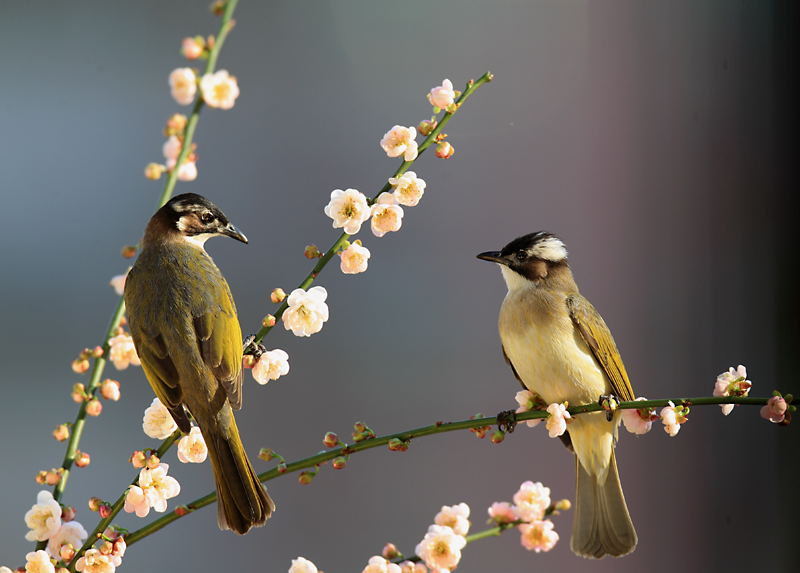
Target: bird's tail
[
  {"x": 242, "y": 501},
  {"x": 602, "y": 524}
]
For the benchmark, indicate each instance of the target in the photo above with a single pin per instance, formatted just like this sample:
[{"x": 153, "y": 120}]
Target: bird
[
  {"x": 559, "y": 347},
  {"x": 184, "y": 326}
]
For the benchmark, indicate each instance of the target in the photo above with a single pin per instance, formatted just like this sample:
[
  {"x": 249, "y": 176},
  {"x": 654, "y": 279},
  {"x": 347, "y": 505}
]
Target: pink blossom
[
  {"x": 95, "y": 562},
  {"x": 455, "y": 517},
  {"x": 775, "y": 410},
  {"x": 172, "y": 148},
  {"x": 191, "y": 49},
  {"x": 183, "y": 85},
  {"x": 158, "y": 422},
  {"x": 302, "y": 565},
  {"x": 672, "y": 417},
  {"x": 538, "y": 535},
  {"x": 355, "y": 259},
  {"x": 109, "y": 389},
  {"x": 44, "y": 518},
  {"x": 527, "y": 401},
  {"x": 387, "y": 215},
  {"x": 122, "y": 351},
  {"x": 118, "y": 283},
  {"x": 413, "y": 567},
  {"x": 732, "y": 383},
  {"x": 307, "y": 311},
  {"x": 557, "y": 422},
  {"x": 531, "y": 501},
  {"x": 219, "y": 89},
  {"x": 443, "y": 95},
  {"x": 408, "y": 188},
  {"x": 136, "y": 501},
  {"x": 192, "y": 447},
  {"x": 400, "y": 141},
  {"x": 378, "y": 564},
  {"x": 502, "y": 512},
  {"x": 158, "y": 487},
  {"x": 638, "y": 420},
  {"x": 71, "y": 533},
  {"x": 39, "y": 562},
  {"x": 441, "y": 547},
  {"x": 271, "y": 366},
  {"x": 153, "y": 171},
  {"x": 348, "y": 209}
]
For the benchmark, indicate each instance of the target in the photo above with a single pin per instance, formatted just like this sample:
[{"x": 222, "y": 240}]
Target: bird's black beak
[
  {"x": 494, "y": 257},
  {"x": 233, "y": 233}
]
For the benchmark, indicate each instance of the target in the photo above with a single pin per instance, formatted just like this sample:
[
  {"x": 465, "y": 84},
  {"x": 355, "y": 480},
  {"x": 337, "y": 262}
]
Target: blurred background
[{"x": 655, "y": 137}]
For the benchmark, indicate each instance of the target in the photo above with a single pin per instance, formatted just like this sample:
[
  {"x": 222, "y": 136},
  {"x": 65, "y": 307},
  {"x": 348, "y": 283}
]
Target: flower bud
[
  {"x": 248, "y": 361},
  {"x": 111, "y": 532},
  {"x": 305, "y": 478},
  {"x": 266, "y": 454},
  {"x": 331, "y": 440},
  {"x": 94, "y": 407},
  {"x": 338, "y": 462},
  {"x": 269, "y": 321},
  {"x": 61, "y": 433},
  {"x": 95, "y": 503},
  {"x": 426, "y": 126},
  {"x": 68, "y": 513},
  {"x": 41, "y": 477},
  {"x": 61, "y": 570},
  {"x": 498, "y": 436},
  {"x": 444, "y": 150},
  {"x": 138, "y": 459},
  {"x": 105, "y": 510},
  {"x": 97, "y": 352},
  {"x": 563, "y": 505},
  {"x": 81, "y": 459},
  {"x": 109, "y": 390},
  {"x": 218, "y": 7},
  {"x": 153, "y": 171},
  {"x": 80, "y": 365},
  {"x": 398, "y": 445},
  {"x": 311, "y": 252},
  {"x": 53, "y": 476},
  {"x": 360, "y": 427},
  {"x": 67, "y": 552},
  {"x": 106, "y": 548},
  {"x": 175, "y": 125},
  {"x": 181, "y": 510},
  {"x": 78, "y": 392},
  {"x": 191, "y": 48},
  {"x": 390, "y": 551},
  {"x": 129, "y": 251},
  {"x": 153, "y": 462},
  {"x": 277, "y": 295},
  {"x": 282, "y": 468}
]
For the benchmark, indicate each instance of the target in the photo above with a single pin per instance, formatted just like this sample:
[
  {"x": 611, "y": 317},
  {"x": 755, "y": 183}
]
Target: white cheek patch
[
  {"x": 550, "y": 249},
  {"x": 514, "y": 280},
  {"x": 198, "y": 240}
]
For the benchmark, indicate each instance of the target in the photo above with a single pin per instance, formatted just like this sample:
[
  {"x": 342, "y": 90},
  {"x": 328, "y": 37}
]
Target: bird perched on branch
[
  {"x": 559, "y": 347},
  {"x": 184, "y": 326}
]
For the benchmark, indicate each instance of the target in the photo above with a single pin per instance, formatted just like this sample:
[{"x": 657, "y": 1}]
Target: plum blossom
[
  {"x": 118, "y": 283},
  {"x": 378, "y": 564},
  {"x": 70, "y": 533},
  {"x": 528, "y": 401},
  {"x": 557, "y": 422},
  {"x": 441, "y": 548},
  {"x": 348, "y": 209},
  {"x": 355, "y": 259},
  {"x": 136, "y": 501},
  {"x": 122, "y": 351},
  {"x": 271, "y": 366},
  {"x": 95, "y": 562},
  {"x": 400, "y": 141},
  {"x": 732, "y": 383},
  {"x": 302, "y": 565},
  {"x": 538, "y": 535},
  {"x": 219, "y": 89},
  {"x": 5, "y": 569},
  {"x": 775, "y": 410},
  {"x": 192, "y": 448},
  {"x": 408, "y": 188},
  {"x": 455, "y": 517},
  {"x": 531, "y": 501},
  {"x": 307, "y": 311},
  {"x": 154, "y": 489},
  {"x": 413, "y": 567},
  {"x": 387, "y": 215},
  {"x": 38, "y": 562},
  {"x": 673, "y": 417},
  {"x": 109, "y": 389},
  {"x": 502, "y": 512},
  {"x": 639, "y": 420},
  {"x": 44, "y": 518},
  {"x": 172, "y": 147},
  {"x": 443, "y": 95},
  {"x": 158, "y": 422},
  {"x": 183, "y": 85}
]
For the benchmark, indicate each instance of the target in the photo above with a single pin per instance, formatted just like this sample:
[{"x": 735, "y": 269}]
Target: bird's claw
[
  {"x": 610, "y": 404},
  {"x": 249, "y": 346},
  {"x": 507, "y": 419}
]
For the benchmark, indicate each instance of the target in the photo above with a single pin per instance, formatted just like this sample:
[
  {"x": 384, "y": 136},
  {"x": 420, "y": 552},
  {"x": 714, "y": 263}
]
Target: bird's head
[
  {"x": 190, "y": 218},
  {"x": 529, "y": 259}
]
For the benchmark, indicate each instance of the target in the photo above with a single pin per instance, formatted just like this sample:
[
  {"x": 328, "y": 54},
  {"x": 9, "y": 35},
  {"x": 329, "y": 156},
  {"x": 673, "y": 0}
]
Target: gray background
[{"x": 653, "y": 137}]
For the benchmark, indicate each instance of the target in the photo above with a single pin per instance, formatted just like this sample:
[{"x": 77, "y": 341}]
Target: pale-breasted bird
[
  {"x": 559, "y": 347},
  {"x": 184, "y": 326}
]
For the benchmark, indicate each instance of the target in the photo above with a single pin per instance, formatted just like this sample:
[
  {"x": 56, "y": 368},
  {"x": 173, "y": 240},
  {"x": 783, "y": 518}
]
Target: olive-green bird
[
  {"x": 559, "y": 347},
  {"x": 184, "y": 326}
]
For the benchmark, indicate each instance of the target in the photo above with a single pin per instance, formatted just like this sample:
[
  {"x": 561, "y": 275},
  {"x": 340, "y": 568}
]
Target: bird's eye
[
  {"x": 522, "y": 255},
  {"x": 207, "y": 217}
]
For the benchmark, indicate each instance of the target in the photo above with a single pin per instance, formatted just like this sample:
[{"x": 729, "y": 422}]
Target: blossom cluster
[
  {"x": 155, "y": 487},
  {"x": 531, "y": 505},
  {"x": 48, "y": 521}
]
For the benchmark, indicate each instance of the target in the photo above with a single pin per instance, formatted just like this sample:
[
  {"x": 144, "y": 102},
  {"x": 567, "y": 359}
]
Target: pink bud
[
  {"x": 426, "y": 127},
  {"x": 281, "y": 468},
  {"x": 105, "y": 510},
  {"x": 305, "y": 478},
  {"x": 111, "y": 532},
  {"x": 266, "y": 454},
  {"x": 109, "y": 389},
  {"x": 248, "y": 361},
  {"x": 129, "y": 251},
  {"x": 80, "y": 366},
  {"x": 106, "y": 548},
  {"x": 181, "y": 510},
  {"x": 81, "y": 459},
  {"x": 338, "y": 462},
  {"x": 97, "y": 352},
  {"x": 153, "y": 171},
  {"x": 498, "y": 436},
  {"x": 67, "y": 552},
  {"x": 444, "y": 150},
  {"x": 390, "y": 551},
  {"x": 41, "y": 477},
  {"x": 95, "y": 503},
  {"x": 153, "y": 462},
  {"x": 175, "y": 125},
  {"x": 94, "y": 407},
  {"x": 78, "y": 393},
  {"x": 53, "y": 476},
  {"x": 138, "y": 459},
  {"x": 311, "y": 252},
  {"x": 61, "y": 433},
  {"x": 269, "y": 321},
  {"x": 331, "y": 440},
  {"x": 277, "y": 295},
  {"x": 191, "y": 49},
  {"x": 68, "y": 513}
]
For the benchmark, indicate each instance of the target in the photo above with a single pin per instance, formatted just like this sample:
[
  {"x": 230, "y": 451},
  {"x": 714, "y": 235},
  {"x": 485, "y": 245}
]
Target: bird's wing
[
  {"x": 596, "y": 334},
  {"x": 220, "y": 341},
  {"x": 514, "y": 370}
]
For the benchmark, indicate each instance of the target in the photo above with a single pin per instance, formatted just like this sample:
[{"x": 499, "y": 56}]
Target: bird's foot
[
  {"x": 249, "y": 346},
  {"x": 610, "y": 404},
  {"x": 508, "y": 420}
]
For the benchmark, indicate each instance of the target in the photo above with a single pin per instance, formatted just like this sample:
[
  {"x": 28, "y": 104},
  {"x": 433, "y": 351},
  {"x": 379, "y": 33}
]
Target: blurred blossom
[
  {"x": 219, "y": 89},
  {"x": 71, "y": 533},
  {"x": 172, "y": 147},
  {"x": 192, "y": 448},
  {"x": 183, "y": 85},
  {"x": 455, "y": 517},
  {"x": 531, "y": 501},
  {"x": 443, "y": 95},
  {"x": 413, "y": 567},
  {"x": 187, "y": 171},
  {"x": 118, "y": 283},
  {"x": 94, "y": 407},
  {"x": 122, "y": 351},
  {"x": 441, "y": 547},
  {"x": 191, "y": 48},
  {"x": 557, "y": 422},
  {"x": 44, "y": 518},
  {"x": 307, "y": 311},
  {"x": 538, "y": 535},
  {"x": 408, "y": 188},
  {"x": 400, "y": 141},
  {"x": 348, "y": 209},
  {"x": 378, "y": 564},
  {"x": 271, "y": 366},
  {"x": 354, "y": 259},
  {"x": 158, "y": 422},
  {"x": 109, "y": 389},
  {"x": 501, "y": 512},
  {"x": 302, "y": 565},
  {"x": 387, "y": 215},
  {"x": 61, "y": 433}
]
